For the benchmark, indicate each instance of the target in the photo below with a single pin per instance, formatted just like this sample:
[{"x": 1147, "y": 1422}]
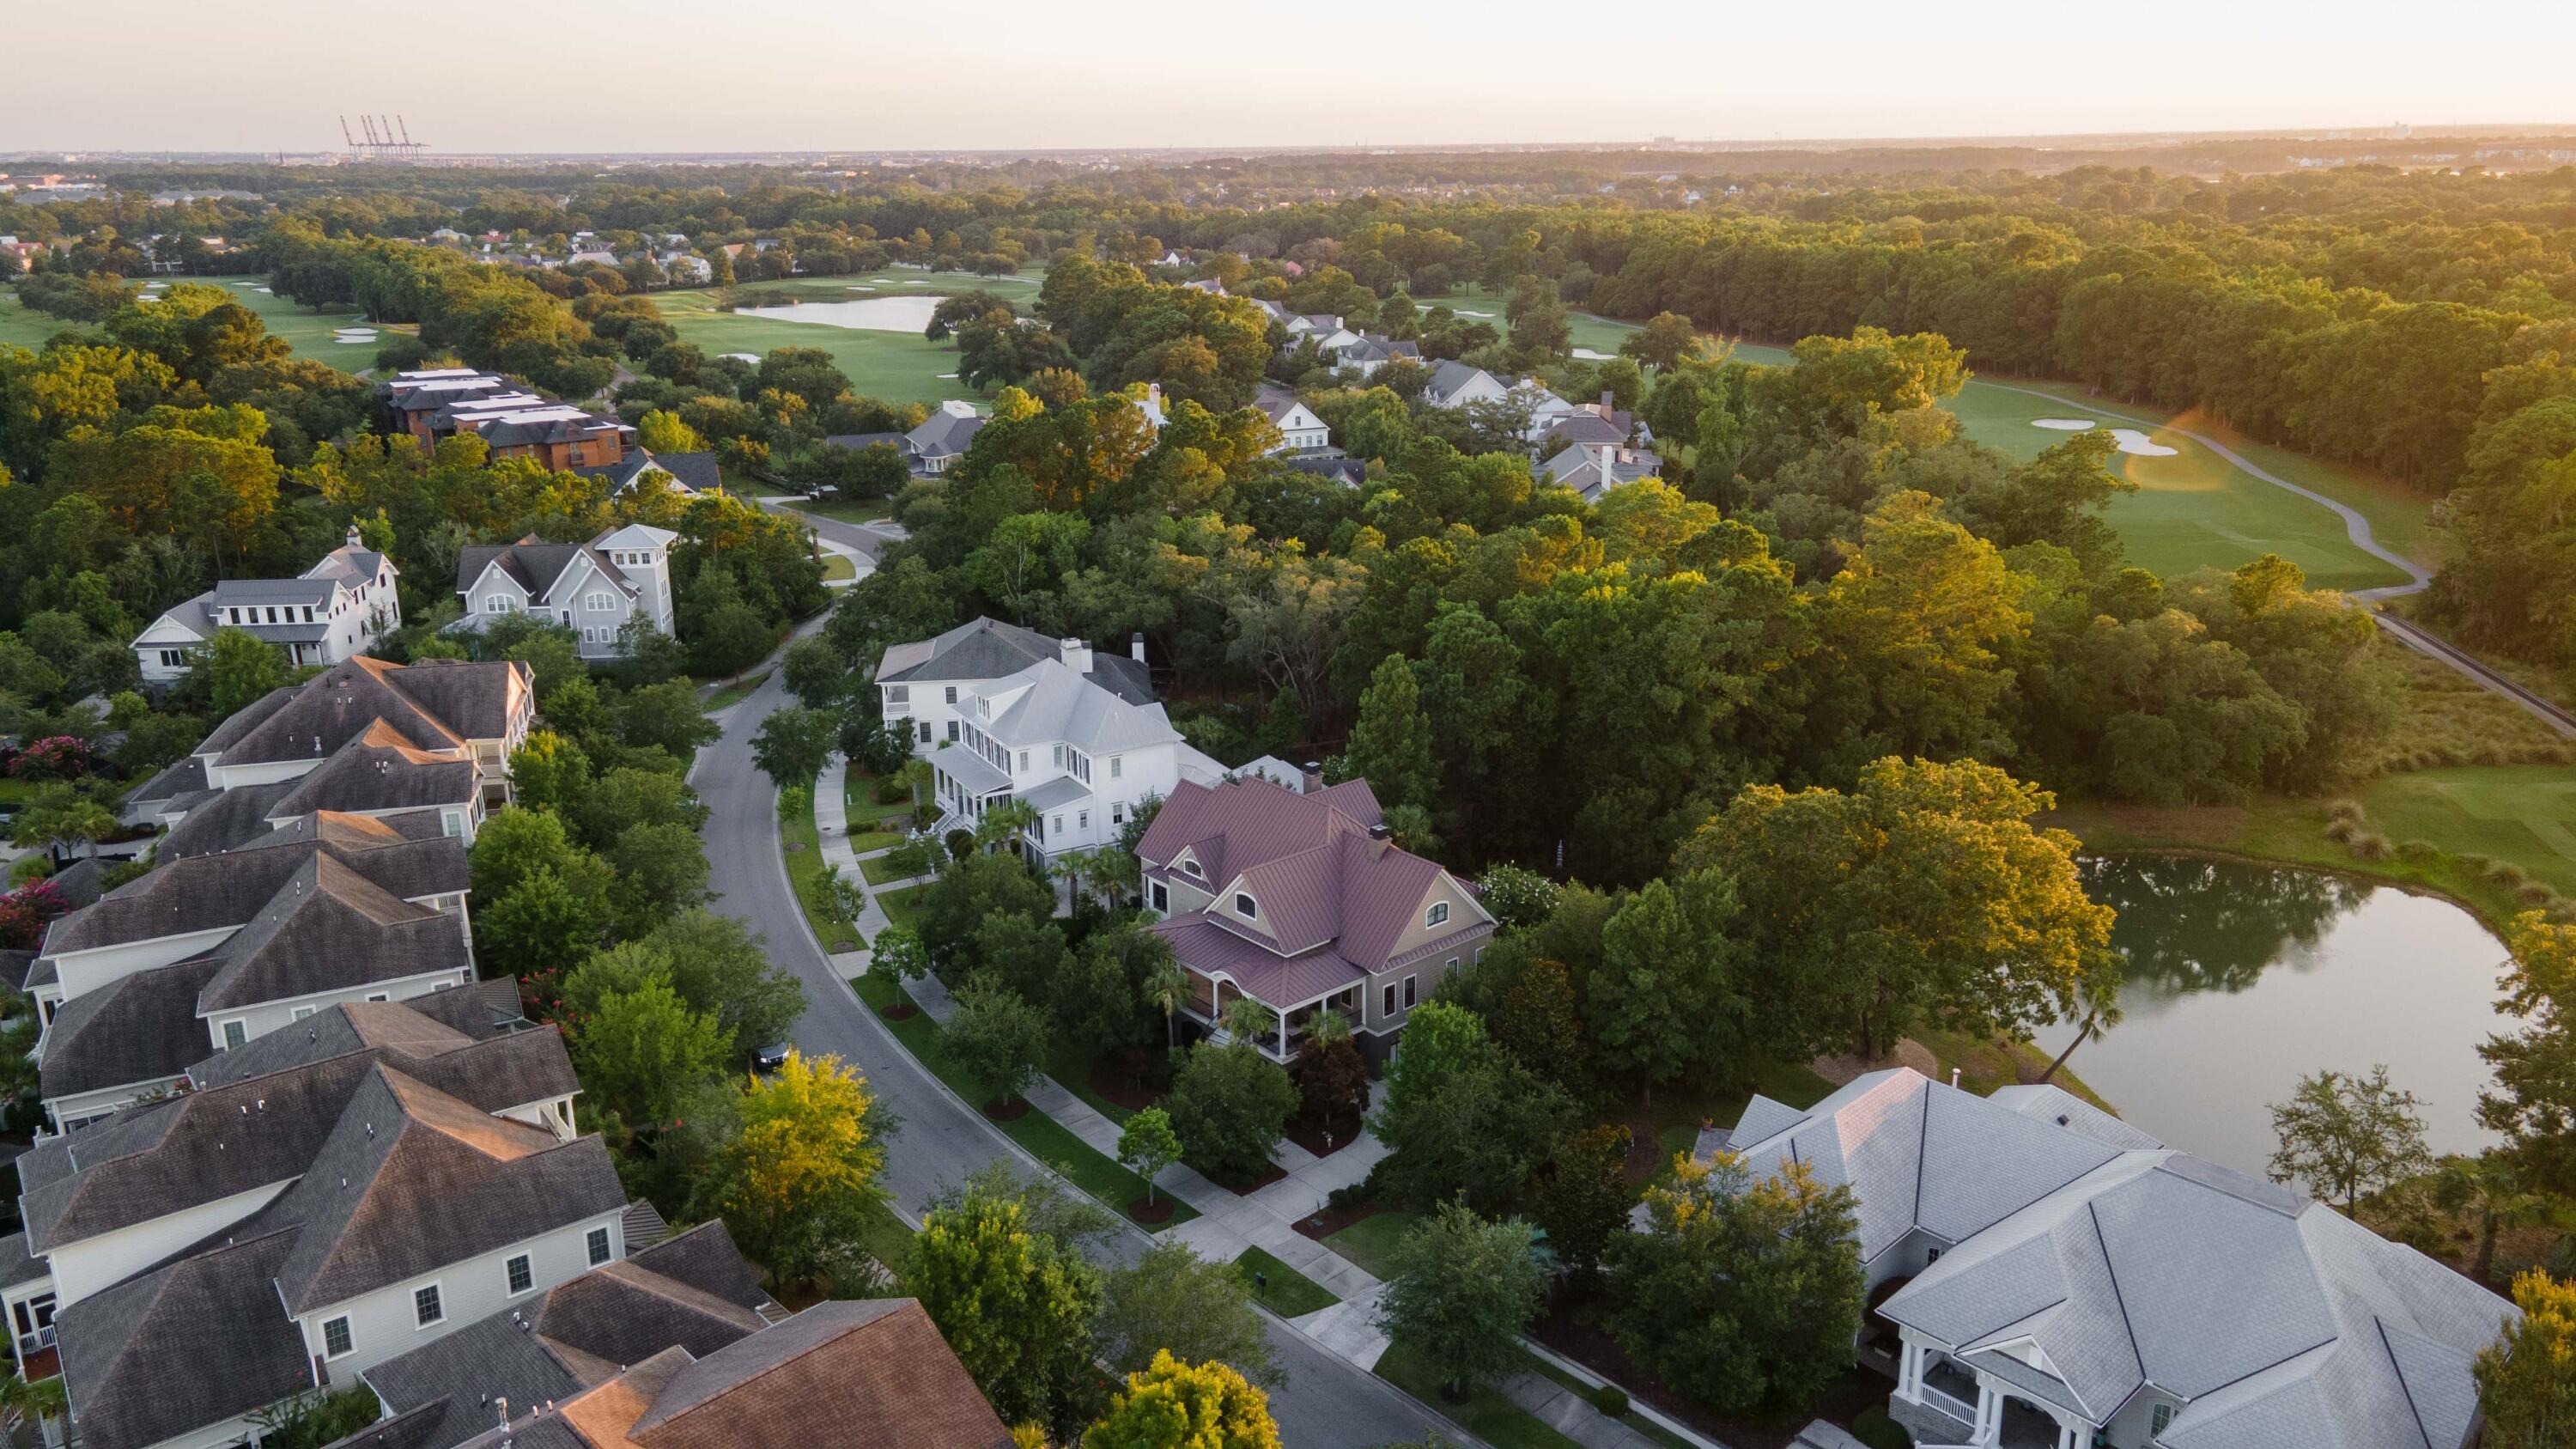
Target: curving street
[{"x": 1326, "y": 1401}]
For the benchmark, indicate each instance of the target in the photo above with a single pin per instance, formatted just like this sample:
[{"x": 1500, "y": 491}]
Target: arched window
[{"x": 1438, "y": 914}]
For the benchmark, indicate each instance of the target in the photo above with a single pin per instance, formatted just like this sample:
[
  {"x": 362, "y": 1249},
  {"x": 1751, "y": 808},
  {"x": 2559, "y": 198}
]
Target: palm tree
[
  {"x": 1166, "y": 987},
  {"x": 2101, "y": 995},
  {"x": 1112, "y": 872},
  {"x": 915, "y": 776},
  {"x": 1248, "y": 1020},
  {"x": 1000, "y": 822},
  {"x": 40, "y": 1400},
  {"x": 2486, "y": 1188}
]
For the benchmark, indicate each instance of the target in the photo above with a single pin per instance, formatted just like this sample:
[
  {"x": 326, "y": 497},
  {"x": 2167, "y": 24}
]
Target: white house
[
  {"x": 338, "y": 608},
  {"x": 2056, "y": 1277},
  {"x": 591, "y": 588},
  {"x": 1075, "y": 735},
  {"x": 1300, "y": 430}
]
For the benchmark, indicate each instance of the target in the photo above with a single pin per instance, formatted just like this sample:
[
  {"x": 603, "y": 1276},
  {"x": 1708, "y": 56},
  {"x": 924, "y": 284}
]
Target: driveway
[{"x": 1326, "y": 1401}]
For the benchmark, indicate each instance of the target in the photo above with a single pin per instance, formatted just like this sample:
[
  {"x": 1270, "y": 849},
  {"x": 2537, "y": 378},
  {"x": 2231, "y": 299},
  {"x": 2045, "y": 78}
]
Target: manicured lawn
[
  {"x": 2437, "y": 807},
  {"x": 1290, "y": 1293},
  {"x": 1045, "y": 1138},
  {"x": 881, "y": 868},
  {"x": 886, "y": 1238},
  {"x": 1371, "y": 1241},
  {"x": 1071, "y": 1068},
  {"x": 1577, "y": 1387},
  {"x": 844, "y": 510},
  {"x": 859, "y": 798},
  {"x": 733, "y": 694},
  {"x": 1486, "y": 1414},
  {"x": 2195, "y": 509},
  {"x": 903, "y": 907},
  {"x": 837, "y": 567},
  {"x": 308, "y": 332},
  {"x": 867, "y": 840},
  {"x": 801, "y": 844},
  {"x": 896, "y": 366}
]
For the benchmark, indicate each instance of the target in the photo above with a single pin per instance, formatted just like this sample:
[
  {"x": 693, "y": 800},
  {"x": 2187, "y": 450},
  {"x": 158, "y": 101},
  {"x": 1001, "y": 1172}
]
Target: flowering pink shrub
[
  {"x": 55, "y": 757},
  {"x": 24, "y": 912}
]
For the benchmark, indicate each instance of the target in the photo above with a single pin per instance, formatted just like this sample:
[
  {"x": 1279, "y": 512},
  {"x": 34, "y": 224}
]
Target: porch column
[
  {"x": 1283, "y": 1032},
  {"x": 1990, "y": 1413},
  {"x": 1909, "y": 1368},
  {"x": 2071, "y": 1436}
]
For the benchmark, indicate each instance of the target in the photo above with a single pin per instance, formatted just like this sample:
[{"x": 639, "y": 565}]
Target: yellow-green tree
[
  {"x": 2527, "y": 1377},
  {"x": 1176, "y": 1405},
  {"x": 805, "y": 1165}
]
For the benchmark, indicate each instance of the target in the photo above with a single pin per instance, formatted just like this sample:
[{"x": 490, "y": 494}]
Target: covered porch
[
  {"x": 1213, "y": 998},
  {"x": 1946, "y": 1405}
]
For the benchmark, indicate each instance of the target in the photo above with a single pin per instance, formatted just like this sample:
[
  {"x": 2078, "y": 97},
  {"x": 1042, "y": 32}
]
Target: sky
[{"x": 806, "y": 75}]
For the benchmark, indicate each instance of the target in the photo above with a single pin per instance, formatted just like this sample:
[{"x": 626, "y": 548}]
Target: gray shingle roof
[
  {"x": 535, "y": 566},
  {"x": 232, "y": 819},
  {"x": 210, "y": 892},
  {"x": 244, "y": 1133},
  {"x": 696, "y": 472},
  {"x": 138, "y": 1029},
  {"x": 705, "y": 1258},
  {"x": 990, "y": 649},
  {"x": 192, "y": 1343},
  {"x": 404, "y": 1029},
  {"x": 455, "y": 1379},
  {"x": 189, "y": 775},
  {"x": 379, "y": 1202},
  {"x": 330, "y": 929},
  {"x": 378, "y": 771}
]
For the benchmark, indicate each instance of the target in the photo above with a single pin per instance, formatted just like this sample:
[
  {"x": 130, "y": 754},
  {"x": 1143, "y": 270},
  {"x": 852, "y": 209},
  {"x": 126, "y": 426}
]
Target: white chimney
[
  {"x": 1136, "y": 646},
  {"x": 1609, "y": 456},
  {"x": 1077, "y": 656},
  {"x": 1954, "y": 1076}
]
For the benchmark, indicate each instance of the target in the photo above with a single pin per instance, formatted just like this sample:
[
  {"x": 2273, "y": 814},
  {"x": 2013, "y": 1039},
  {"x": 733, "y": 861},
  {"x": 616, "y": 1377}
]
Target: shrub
[
  {"x": 2370, "y": 845},
  {"x": 2344, "y": 809},
  {"x": 795, "y": 800},
  {"x": 2505, "y": 873},
  {"x": 1612, "y": 1400},
  {"x": 2339, "y": 830},
  {"x": 2533, "y": 893}
]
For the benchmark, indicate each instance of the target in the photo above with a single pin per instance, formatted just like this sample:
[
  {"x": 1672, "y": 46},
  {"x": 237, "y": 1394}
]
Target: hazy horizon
[{"x": 665, "y": 76}]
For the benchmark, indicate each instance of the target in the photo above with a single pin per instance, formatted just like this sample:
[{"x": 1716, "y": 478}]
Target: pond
[
  {"x": 2244, "y": 978},
  {"x": 873, "y": 314}
]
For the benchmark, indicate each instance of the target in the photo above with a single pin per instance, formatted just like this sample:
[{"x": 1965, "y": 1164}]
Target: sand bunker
[
  {"x": 2130, "y": 440},
  {"x": 1586, "y": 354},
  {"x": 353, "y": 334}
]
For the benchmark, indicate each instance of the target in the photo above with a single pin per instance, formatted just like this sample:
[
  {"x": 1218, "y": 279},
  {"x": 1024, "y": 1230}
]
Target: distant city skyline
[{"x": 687, "y": 76}]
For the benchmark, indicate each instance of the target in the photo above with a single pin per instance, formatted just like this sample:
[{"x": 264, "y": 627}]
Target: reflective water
[
  {"x": 875, "y": 314},
  {"x": 2244, "y": 978}
]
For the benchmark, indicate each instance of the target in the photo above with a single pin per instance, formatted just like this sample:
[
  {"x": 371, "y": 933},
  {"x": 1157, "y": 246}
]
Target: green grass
[
  {"x": 1290, "y": 1293},
  {"x": 1071, "y": 1069},
  {"x": 867, "y": 840},
  {"x": 878, "y": 869},
  {"x": 1371, "y": 1241},
  {"x": 1632, "y": 1419},
  {"x": 2195, "y": 509},
  {"x": 308, "y": 332},
  {"x": 1486, "y": 1414},
  {"x": 2292, "y": 832},
  {"x": 1045, "y": 1138},
  {"x": 837, "y": 567},
  {"x": 859, "y": 799},
  {"x": 903, "y": 907},
  {"x": 805, "y": 876},
  {"x": 885, "y": 1237},
  {"x": 896, "y": 366},
  {"x": 734, "y": 693},
  {"x": 844, "y": 510}
]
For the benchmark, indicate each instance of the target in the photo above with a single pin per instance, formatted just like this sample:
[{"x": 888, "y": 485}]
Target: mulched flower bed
[
  {"x": 1151, "y": 1213},
  {"x": 1308, "y": 1137},
  {"x": 1120, "y": 1089},
  {"x": 1569, "y": 1326},
  {"x": 1331, "y": 1220},
  {"x": 900, "y": 1011},
  {"x": 1001, "y": 1111}
]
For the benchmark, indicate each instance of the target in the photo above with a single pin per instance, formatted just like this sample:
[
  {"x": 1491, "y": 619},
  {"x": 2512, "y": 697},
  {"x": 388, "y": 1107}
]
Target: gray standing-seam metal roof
[{"x": 1048, "y": 701}]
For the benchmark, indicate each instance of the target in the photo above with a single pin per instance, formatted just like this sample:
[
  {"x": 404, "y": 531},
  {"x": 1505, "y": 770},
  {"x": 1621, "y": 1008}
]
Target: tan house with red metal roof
[{"x": 1303, "y": 903}]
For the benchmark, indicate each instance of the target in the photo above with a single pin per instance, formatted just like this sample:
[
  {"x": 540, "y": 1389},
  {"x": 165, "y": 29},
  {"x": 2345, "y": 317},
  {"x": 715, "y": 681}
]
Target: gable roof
[
  {"x": 329, "y": 929},
  {"x": 1049, "y": 701},
  {"x": 1449, "y": 375},
  {"x": 213, "y": 892},
  {"x": 194, "y": 1342},
  {"x": 697, "y": 472},
  {"x": 248, "y": 1133},
  {"x": 435, "y": 704},
  {"x": 378, "y": 1204},
  {"x": 137, "y": 1029},
  {"x": 378, "y": 771},
  {"x": 536, "y": 567},
  {"x": 228, "y": 820}
]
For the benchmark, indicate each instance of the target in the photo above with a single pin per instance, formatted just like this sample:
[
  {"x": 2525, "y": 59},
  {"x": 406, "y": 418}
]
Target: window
[
  {"x": 1117, "y": 813},
  {"x": 2163, "y": 1416},
  {"x": 380, "y": 996},
  {"x": 174, "y": 658},
  {"x": 299, "y": 1013},
  {"x": 952, "y": 696},
  {"x": 1059, "y": 757},
  {"x": 1480, "y": 955},
  {"x": 1162, "y": 897},
  {"x": 1192, "y": 867},
  {"x": 426, "y": 1306},
  {"x": 451, "y": 822},
  {"x": 1389, "y": 1008},
  {"x": 598, "y": 1243},
  {"x": 898, "y": 694},
  {"x": 1024, "y": 760},
  {"x": 1408, "y": 993},
  {"x": 522, "y": 1276},
  {"x": 1449, "y": 967},
  {"x": 235, "y": 1033},
  {"x": 36, "y": 1321},
  {"x": 952, "y": 731},
  {"x": 1059, "y": 825},
  {"x": 1439, "y": 914},
  {"x": 1117, "y": 765},
  {"x": 336, "y": 1342},
  {"x": 1244, "y": 907},
  {"x": 596, "y": 603},
  {"x": 1082, "y": 819}
]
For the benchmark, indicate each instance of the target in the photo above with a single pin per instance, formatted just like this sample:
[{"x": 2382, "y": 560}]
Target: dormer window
[
  {"x": 1244, "y": 907},
  {"x": 1437, "y": 915},
  {"x": 1192, "y": 867}
]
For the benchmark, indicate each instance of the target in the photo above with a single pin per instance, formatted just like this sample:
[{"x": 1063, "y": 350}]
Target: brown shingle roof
[{"x": 873, "y": 1371}]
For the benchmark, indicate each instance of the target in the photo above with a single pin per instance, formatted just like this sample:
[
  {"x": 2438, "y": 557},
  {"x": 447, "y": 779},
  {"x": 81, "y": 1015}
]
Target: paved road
[
  {"x": 1327, "y": 1401},
  {"x": 2357, "y": 529}
]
